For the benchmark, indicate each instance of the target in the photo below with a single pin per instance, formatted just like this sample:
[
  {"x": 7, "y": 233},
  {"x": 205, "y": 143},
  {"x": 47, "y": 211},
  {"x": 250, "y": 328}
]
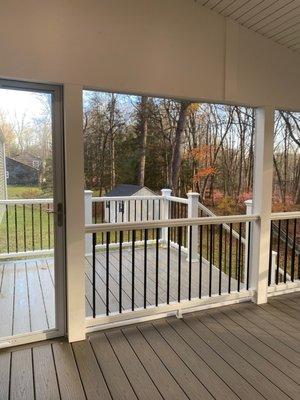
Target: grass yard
[{"x": 24, "y": 192}]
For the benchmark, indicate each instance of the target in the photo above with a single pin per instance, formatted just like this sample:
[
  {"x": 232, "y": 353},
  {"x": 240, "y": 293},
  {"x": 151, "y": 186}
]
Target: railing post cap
[
  {"x": 88, "y": 192},
  {"x": 248, "y": 202},
  {"x": 193, "y": 194},
  {"x": 166, "y": 192}
]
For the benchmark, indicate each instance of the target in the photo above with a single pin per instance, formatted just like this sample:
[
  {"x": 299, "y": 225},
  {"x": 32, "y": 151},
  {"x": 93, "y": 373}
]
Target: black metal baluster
[
  {"x": 248, "y": 255},
  {"x": 220, "y": 257},
  {"x": 190, "y": 261},
  {"x": 239, "y": 256},
  {"x": 24, "y": 226},
  {"x": 120, "y": 270},
  {"x": 207, "y": 242},
  {"x": 179, "y": 261},
  {"x": 294, "y": 251},
  {"x": 7, "y": 228},
  {"x": 133, "y": 269},
  {"x": 278, "y": 252},
  {"x": 94, "y": 274},
  {"x": 102, "y": 220},
  {"x": 210, "y": 258},
  {"x": 286, "y": 250},
  {"x": 168, "y": 265},
  {"x": 230, "y": 259},
  {"x": 156, "y": 266},
  {"x": 145, "y": 267},
  {"x": 270, "y": 255},
  {"x": 32, "y": 226},
  {"x": 41, "y": 228},
  {"x": 107, "y": 271},
  {"x": 200, "y": 261},
  {"x": 116, "y": 220}
]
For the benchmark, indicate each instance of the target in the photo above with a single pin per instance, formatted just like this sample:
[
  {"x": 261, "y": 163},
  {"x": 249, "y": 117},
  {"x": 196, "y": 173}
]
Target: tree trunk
[
  {"x": 178, "y": 146},
  {"x": 143, "y": 133}
]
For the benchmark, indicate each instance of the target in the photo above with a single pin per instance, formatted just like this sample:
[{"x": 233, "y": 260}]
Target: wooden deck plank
[
  {"x": 7, "y": 300},
  {"x": 68, "y": 376},
  {"x": 159, "y": 374},
  {"x": 251, "y": 374},
  {"x": 21, "y": 303},
  {"x": 4, "y": 375},
  {"x": 193, "y": 388},
  {"x": 138, "y": 377},
  {"x": 229, "y": 375},
  {"x": 280, "y": 313},
  {"x": 46, "y": 385},
  {"x": 90, "y": 373},
  {"x": 21, "y": 383},
  {"x": 38, "y": 319},
  {"x": 115, "y": 377},
  {"x": 277, "y": 330},
  {"x": 265, "y": 337},
  {"x": 216, "y": 386},
  {"x": 253, "y": 356},
  {"x": 48, "y": 291}
]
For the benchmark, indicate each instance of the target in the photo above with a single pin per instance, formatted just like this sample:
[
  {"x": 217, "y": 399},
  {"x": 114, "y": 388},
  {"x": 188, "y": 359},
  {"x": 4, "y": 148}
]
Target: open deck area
[
  {"x": 240, "y": 351},
  {"x": 27, "y": 300}
]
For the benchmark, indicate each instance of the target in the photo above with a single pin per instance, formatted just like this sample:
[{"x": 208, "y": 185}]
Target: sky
[{"x": 18, "y": 103}]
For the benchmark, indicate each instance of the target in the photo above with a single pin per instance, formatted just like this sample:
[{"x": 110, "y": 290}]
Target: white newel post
[
  {"x": 262, "y": 202},
  {"x": 249, "y": 211},
  {"x": 193, "y": 199},
  {"x": 165, "y": 206},
  {"x": 88, "y": 212}
]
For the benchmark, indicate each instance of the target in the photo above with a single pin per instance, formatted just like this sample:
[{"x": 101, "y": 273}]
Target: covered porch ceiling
[{"x": 277, "y": 20}]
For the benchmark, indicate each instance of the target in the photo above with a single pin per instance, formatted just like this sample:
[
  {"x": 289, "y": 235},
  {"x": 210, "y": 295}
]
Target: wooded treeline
[{"x": 185, "y": 146}]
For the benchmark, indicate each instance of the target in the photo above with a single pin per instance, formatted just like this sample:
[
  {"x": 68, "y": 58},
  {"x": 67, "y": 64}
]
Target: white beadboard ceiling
[{"x": 278, "y": 20}]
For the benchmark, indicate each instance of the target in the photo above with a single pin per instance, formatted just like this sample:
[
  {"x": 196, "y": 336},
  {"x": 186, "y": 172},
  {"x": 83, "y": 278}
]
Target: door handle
[{"x": 59, "y": 213}]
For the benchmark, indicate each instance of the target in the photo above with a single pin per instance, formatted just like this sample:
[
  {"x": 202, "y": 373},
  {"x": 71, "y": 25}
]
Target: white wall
[{"x": 161, "y": 47}]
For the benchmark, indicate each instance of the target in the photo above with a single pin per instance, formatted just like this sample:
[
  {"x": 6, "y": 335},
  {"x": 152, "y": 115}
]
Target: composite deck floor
[
  {"x": 27, "y": 302},
  {"x": 241, "y": 351}
]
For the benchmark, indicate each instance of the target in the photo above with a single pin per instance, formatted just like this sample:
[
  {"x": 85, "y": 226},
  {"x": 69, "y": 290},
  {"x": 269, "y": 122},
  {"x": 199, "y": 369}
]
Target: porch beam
[
  {"x": 75, "y": 217},
  {"x": 262, "y": 202}
]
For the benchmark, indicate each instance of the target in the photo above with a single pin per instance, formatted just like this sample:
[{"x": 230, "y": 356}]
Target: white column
[
  {"x": 75, "y": 240},
  {"x": 193, "y": 200},
  {"x": 249, "y": 211},
  {"x": 262, "y": 202},
  {"x": 165, "y": 207},
  {"x": 88, "y": 212}
]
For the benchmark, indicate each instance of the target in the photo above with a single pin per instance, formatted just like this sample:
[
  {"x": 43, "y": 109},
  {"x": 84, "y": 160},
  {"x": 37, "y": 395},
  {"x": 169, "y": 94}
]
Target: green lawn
[{"x": 24, "y": 192}]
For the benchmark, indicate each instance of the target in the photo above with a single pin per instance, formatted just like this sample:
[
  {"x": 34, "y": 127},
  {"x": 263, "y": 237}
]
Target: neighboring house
[
  {"x": 2, "y": 174},
  {"x": 21, "y": 174},
  {"x": 30, "y": 160},
  {"x": 131, "y": 210}
]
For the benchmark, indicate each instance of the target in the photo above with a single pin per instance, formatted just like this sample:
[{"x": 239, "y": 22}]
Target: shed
[
  {"x": 21, "y": 174},
  {"x": 133, "y": 209}
]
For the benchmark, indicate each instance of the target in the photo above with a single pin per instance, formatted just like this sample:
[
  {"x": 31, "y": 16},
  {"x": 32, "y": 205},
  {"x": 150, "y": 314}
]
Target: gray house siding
[{"x": 21, "y": 174}]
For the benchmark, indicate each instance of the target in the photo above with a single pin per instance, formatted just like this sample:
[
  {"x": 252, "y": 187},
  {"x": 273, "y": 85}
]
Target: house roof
[
  {"x": 125, "y": 190},
  {"x": 20, "y": 162}
]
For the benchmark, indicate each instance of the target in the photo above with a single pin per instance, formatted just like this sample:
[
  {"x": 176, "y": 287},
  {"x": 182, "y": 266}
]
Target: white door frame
[{"x": 59, "y": 217}]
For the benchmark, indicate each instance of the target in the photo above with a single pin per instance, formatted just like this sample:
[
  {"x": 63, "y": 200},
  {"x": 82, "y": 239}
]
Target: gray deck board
[{"x": 240, "y": 351}]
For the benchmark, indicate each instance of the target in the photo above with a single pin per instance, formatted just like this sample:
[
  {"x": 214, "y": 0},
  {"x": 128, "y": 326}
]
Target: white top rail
[
  {"x": 176, "y": 199},
  {"x": 124, "y": 198},
  {"x": 128, "y": 226},
  {"x": 26, "y": 201},
  {"x": 285, "y": 215}
]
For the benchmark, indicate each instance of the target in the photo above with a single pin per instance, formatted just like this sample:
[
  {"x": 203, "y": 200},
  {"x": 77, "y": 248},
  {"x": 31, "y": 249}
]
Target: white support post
[
  {"x": 262, "y": 202},
  {"x": 193, "y": 199},
  {"x": 165, "y": 207},
  {"x": 249, "y": 211},
  {"x": 88, "y": 212},
  {"x": 75, "y": 230}
]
